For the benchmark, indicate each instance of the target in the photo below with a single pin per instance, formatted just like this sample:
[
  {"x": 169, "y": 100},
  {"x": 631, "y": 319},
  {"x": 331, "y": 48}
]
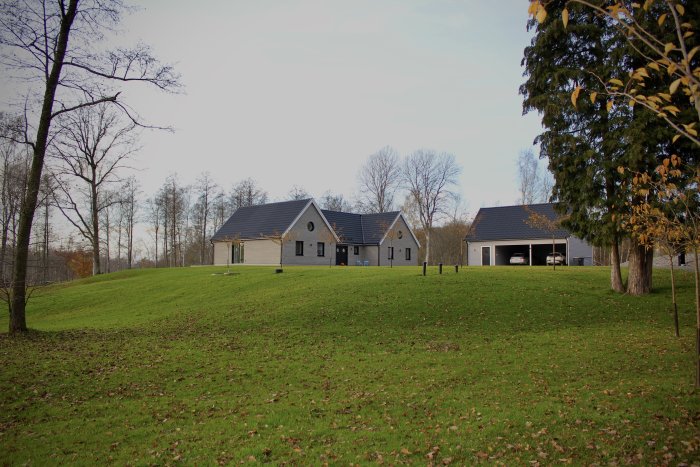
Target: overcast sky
[{"x": 301, "y": 92}]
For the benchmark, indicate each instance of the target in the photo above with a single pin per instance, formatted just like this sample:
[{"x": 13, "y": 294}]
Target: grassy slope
[{"x": 351, "y": 365}]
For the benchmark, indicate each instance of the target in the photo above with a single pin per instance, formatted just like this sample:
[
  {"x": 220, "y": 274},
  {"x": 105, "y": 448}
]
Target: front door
[
  {"x": 341, "y": 255},
  {"x": 486, "y": 256}
]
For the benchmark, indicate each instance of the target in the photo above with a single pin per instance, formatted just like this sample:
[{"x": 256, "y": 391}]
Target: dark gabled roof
[
  {"x": 375, "y": 226},
  {"x": 347, "y": 226},
  {"x": 265, "y": 220},
  {"x": 510, "y": 223},
  {"x": 366, "y": 229},
  {"x": 274, "y": 219}
]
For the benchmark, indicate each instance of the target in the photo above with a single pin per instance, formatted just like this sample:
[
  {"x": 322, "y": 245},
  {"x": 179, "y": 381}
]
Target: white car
[
  {"x": 519, "y": 258},
  {"x": 556, "y": 259}
]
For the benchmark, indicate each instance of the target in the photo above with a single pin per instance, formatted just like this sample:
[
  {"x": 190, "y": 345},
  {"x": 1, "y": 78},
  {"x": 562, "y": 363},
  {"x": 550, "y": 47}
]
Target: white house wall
[
  {"x": 221, "y": 252},
  {"x": 400, "y": 245},
  {"x": 300, "y": 232}
]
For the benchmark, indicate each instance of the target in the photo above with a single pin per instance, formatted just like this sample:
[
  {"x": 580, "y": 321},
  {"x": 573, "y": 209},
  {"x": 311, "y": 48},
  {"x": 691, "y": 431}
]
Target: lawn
[{"x": 350, "y": 365}]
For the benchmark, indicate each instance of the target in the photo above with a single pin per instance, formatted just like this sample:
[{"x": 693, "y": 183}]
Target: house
[
  {"x": 500, "y": 232},
  {"x": 300, "y": 232}
]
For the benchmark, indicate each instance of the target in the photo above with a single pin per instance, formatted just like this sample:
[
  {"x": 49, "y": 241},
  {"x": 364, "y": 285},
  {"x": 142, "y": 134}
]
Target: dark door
[
  {"x": 341, "y": 255},
  {"x": 486, "y": 256}
]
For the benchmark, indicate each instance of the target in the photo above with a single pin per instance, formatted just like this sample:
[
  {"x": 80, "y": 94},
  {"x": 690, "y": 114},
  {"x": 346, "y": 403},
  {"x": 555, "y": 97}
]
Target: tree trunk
[
  {"x": 697, "y": 317},
  {"x": 427, "y": 246},
  {"x": 673, "y": 296},
  {"x": 640, "y": 269},
  {"x": 615, "y": 273},
  {"x": 18, "y": 321},
  {"x": 96, "y": 268}
]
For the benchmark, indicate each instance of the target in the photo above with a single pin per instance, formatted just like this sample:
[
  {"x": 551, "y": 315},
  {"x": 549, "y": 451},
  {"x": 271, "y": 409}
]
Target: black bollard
[
  {"x": 425, "y": 266},
  {"x": 456, "y": 267},
  {"x": 440, "y": 268}
]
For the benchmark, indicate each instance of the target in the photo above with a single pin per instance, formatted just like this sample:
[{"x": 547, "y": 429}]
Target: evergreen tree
[{"x": 586, "y": 144}]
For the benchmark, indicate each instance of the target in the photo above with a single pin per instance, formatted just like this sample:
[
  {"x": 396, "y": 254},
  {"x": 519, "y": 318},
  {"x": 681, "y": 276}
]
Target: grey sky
[{"x": 301, "y": 92}]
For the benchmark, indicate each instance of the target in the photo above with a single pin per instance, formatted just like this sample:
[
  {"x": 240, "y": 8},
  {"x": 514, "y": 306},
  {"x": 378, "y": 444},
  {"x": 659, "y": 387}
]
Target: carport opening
[
  {"x": 539, "y": 253},
  {"x": 504, "y": 252}
]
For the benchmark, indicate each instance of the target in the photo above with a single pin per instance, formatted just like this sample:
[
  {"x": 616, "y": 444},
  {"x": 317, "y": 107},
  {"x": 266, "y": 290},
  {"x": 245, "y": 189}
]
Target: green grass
[{"x": 350, "y": 365}]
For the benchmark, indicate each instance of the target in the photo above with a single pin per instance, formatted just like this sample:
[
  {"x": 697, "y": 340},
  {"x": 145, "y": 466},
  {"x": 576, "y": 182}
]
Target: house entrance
[{"x": 341, "y": 255}]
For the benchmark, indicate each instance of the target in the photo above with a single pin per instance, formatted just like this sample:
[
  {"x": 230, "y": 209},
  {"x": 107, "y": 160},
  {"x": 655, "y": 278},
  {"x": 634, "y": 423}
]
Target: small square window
[
  {"x": 391, "y": 252},
  {"x": 408, "y": 254},
  {"x": 356, "y": 250},
  {"x": 321, "y": 249},
  {"x": 300, "y": 248}
]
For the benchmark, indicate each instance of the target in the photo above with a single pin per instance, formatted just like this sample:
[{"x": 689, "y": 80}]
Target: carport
[{"x": 499, "y": 232}]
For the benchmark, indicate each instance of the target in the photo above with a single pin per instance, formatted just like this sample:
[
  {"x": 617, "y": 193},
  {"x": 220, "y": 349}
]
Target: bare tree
[
  {"x": 535, "y": 183},
  {"x": 298, "y": 193},
  {"x": 380, "y": 178},
  {"x": 335, "y": 202},
  {"x": 528, "y": 177},
  {"x": 129, "y": 205},
  {"x": 69, "y": 75},
  {"x": 428, "y": 177},
  {"x": 203, "y": 212},
  {"x": 154, "y": 215},
  {"x": 246, "y": 193},
  {"x": 13, "y": 180},
  {"x": 92, "y": 146}
]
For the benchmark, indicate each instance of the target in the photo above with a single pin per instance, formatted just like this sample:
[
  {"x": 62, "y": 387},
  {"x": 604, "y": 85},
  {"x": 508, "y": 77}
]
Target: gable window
[
  {"x": 408, "y": 254},
  {"x": 399, "y": 235},
  {"x": 310, "y": 226},
  {"x": 356, "y": 250},
  {"x": 321, "y": 249},
  {"x": 300, "y": 248},
  {"x": 391, "y": 252}
]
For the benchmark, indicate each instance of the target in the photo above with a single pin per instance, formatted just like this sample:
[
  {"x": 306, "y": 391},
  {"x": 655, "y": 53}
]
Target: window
[
  {"x": 237, "y": 253},
  {"x": 310, "y": 226},
  {"x": 408, "y": 254},
  {"x": 321, "y": 249},
  {"x": 300, "y": 248},
  {"x": 391, "y": 252},
  {"x": 356, "y": 250},
  {"x": 399, "y": 235}
]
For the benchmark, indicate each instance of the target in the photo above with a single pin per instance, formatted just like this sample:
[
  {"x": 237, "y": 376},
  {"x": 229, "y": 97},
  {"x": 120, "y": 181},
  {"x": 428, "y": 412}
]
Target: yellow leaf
[
  {"x": 674, "y": 85},
  {"x": 541, "y": 14},
  {"x": 680, "y": 9},
  {"x": 691, "y": 131},
  {"x": 662, "y": 19},
  {"x": 654, "y": 66},
  {"x": 688, "y": 34},
  {"x": 532, "y": 9},
  {"x": 593, "y": 96},
  {"x": 565, "y": 17},
  {"x": 693, "y": 51},
  {"x": 672, "y": 109},
  {"x": 666, "y": 97},
  {"x": 636, "y": 5},
  {"x": 675, "y": 138},
  {"x": 609, "y": 105},
  {"x": 620, "y": 170},
  {"x": 574, "y": 95},
  {"x": 669, "y": 47},
  {"x": 647, "y": 4},
  {"x": 616, "y": 82}
]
